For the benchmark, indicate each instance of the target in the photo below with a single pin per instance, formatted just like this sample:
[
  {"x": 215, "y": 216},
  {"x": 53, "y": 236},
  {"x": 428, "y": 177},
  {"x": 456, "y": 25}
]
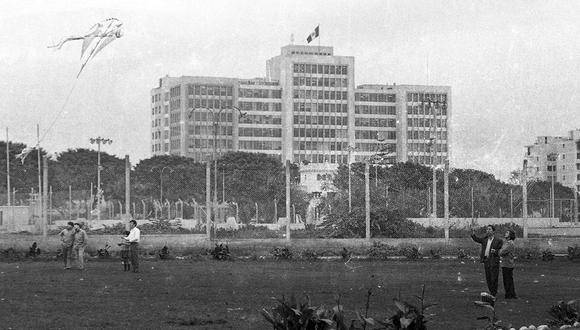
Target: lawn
[{"x": 207, "y": 294}]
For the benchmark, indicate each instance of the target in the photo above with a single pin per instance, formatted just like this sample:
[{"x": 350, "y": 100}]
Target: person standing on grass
[
  {"x": 67, "y": 237},
  {"x": 507, "y": 264},
  {"x": 133, "y": 239},
  {"x": 489, "y": 256},
  {"x": 79, "y": 245},
  {"x": 125, "y": 245}
]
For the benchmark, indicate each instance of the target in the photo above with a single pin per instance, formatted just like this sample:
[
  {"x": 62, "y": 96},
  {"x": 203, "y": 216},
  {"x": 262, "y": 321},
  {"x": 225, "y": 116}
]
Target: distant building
[
  {"x": 306, "y": 110},
  {"x": 555, "y": 158}
]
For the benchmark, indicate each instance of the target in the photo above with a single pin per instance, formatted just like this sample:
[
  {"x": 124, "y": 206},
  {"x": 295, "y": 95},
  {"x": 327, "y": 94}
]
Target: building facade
[
  {"x": 555, "y": 158},
  {"x": 307, "y": 110}
]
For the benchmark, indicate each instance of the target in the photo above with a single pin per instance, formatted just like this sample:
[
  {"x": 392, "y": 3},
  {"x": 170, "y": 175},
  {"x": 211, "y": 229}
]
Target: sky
[{"x": 513, "y": 66}]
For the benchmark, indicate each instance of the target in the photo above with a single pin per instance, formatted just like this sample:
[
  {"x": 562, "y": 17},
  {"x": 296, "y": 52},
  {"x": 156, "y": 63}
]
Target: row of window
[
  {"x": 202, "y": 116},
  {"x": 261, "y": 93},
  {"x": 320, "y": 158},
  {"x": 320, "y": 95},
  {"x": 155, "y": 98},
  {"x": 375, "y": 122},
  {"x": 210, "y": 104},
  {"x": 320, "y": 120},
  {"x": 426, "y": 122},
  {"x": 157, "y": 147},
  {"x": 375, "y": 147},
  {"x": 320, "y": 107},
  {"x": 426, "y": 110},
  {"x": 259, "y": 131},
  {"x": 425, "y": 147},
  {"x": 421, "y": 97},
  {"x": 209, "y": 130},
  {"x": 209, "y": 90},
  {"x": 156, "y": 135},
  {"x": 320, "y": 82},
  {"x": 320, "y": 133},
  {"x": 375, "y": 110},
  {"x": 221, "y": 144},
  {"x": 323, "y": 146},
  {"x": 175, "y": 91},
  {"x": 375, "y": 97},
  {"x": 175, "y": 104},
  {"x": 260, "y": 106},
  {"x": 374, "y": 135},
  {"x": 260, "y": 145},
  {"x": 320, "y": 68},
  {"x": 156, "y": 122},
  {"x": 261, "y": 119},
  {"x": 175, "y": 145},
  {"x": 175, "y": 117},
  {"x": 425, "y": 135},
  {"x": 175, "y": 131},
  {"x": 156, "y": 110}
]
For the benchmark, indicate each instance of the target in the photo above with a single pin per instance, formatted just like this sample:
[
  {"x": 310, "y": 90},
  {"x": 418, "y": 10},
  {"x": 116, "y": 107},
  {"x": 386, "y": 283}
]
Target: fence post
[{"x": 367, "y": 203}]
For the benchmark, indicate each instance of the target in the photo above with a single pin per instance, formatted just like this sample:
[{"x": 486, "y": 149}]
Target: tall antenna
[{"x": 292, "y": 38}]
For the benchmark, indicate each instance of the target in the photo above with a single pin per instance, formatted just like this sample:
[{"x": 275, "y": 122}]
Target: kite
[
  {"x": 98, "y": 37},
  {"x": 24, "y": 153}
]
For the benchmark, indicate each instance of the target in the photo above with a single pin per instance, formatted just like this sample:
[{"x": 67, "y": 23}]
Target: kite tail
[{"x": 59, "y": 112}]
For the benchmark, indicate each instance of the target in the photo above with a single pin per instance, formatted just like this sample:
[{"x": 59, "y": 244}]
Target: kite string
[{"x": 59, "y": 113}]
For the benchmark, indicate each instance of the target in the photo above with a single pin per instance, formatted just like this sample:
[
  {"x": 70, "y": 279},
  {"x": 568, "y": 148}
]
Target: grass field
[{"x": 228, "y": 295}]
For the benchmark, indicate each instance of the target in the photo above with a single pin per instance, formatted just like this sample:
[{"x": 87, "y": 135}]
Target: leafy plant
[
  {"x": 345, "y": 253},
  {"x": 291, "y": 315},
  {"x": 221, "y": 252},
  {"x": 547, "y": 255},
  {"x": 462, "y": 254},
  {"x": 529, "y": 253},
  {"x": 435, "y": 254},
  {"x": 411, "y": 252},
  {"x": 33, "y": 251},
  {"x": 281, "y": 253},
  {"x": 409, "y": 316},
  {"x": 573, "y": 252},
  {"x": 564, "y": 313},
  {"x": 104, "y": 252},
  {"x": 381, "y": 250},
  {"x": 164, "y": 253},
  {"x": 309, "y": 254}
]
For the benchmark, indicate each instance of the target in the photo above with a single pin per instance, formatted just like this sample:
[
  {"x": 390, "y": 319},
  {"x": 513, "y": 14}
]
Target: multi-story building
[
  {"x": 306, "y": 110},
  {"x": 555, "y": 158}
]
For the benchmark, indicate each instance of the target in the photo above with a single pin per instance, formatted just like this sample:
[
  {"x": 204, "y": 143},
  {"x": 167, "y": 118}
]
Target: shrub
[
  {"x": 288, "y": 314},
  {"x": 247, "y": 232},
  {"x": 547, "y": 255},
  {"x": 573, "y": 252},
  {"x": 345, "y": 253},
  {"x": 462, "y": 254},
  {"x": 309, "y": 255},
  {"x": 281, "y": 253},
  {"x": 381, "y": 250},
  {"x": 529, "y": 253},
  {"x": 104, "y": 252},
  {"x": 411, "y": 252},
  {"x": 435, "y": 254},
  {"x": 564, "y": 313},
  {"x": 221, "y": 252},
  {"x": 164, "y": 253}
]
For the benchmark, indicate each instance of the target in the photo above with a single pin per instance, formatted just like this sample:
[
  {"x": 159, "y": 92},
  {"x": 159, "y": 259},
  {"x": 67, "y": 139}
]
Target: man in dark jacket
[{"x": 489, "y": 256}]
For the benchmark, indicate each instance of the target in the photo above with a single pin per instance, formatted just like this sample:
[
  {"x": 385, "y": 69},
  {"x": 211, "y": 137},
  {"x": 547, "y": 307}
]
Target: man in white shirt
[
  {"x": 133, "y": 239},
  {"x": 489, "y": 256}
]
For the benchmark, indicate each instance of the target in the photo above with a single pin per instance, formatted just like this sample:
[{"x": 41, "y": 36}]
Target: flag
[{"x": 313, "y": 35}]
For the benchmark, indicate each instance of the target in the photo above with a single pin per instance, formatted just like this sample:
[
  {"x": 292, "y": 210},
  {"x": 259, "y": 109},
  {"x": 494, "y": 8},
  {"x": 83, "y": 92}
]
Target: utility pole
[
  {"x": 288, "y": 201},
  {"x": 45, "y": 197},
  {"x": 350, "y": 150},
  {"x": 40, "y": 208},
  {"x": 8, "y": 168},
  {"x": 367, "y": 203},
  {"x": 525, "y": 198},
  {"x": 98, "y": 141},
  {"x": 446, "y": 197},
  {"x": 208, "y": 199},
  {"x": 127, "y": 188}
]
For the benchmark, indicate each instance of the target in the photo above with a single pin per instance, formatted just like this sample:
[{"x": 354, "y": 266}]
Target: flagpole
[
  {"x": 8, "y": 168},
  {"x": 39, "y": 170}
]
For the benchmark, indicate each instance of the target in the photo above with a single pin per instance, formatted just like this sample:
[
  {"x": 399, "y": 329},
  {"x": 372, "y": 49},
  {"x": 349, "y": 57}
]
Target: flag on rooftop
[{"x": 314, "y": 34}]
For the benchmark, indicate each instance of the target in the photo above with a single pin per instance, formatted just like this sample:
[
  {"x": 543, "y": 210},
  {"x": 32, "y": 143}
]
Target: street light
[
  {"x": 350, "y": 149},
  {"x": 98, "y": 141},
  {"x": 216, "y": 122},
  {"x": 434, "y": 107}
]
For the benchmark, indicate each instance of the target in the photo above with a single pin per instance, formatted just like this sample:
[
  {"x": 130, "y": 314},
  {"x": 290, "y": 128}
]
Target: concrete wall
[
  {"x": 477, "y": 222},
  {"x": 195, "y": 243},
  {"x": 17, "y": 218}
]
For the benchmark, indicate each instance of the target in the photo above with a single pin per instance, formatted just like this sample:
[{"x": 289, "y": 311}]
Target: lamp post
[
  {"x": 350, "y": 149},
  {"x": 98, "y": 141},
  {"x": 216, "y": 115}
]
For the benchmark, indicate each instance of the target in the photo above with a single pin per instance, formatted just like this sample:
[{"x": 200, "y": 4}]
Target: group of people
[
  {"x": 74, "y": 241},
  {"x": 496, "y": 253}
]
